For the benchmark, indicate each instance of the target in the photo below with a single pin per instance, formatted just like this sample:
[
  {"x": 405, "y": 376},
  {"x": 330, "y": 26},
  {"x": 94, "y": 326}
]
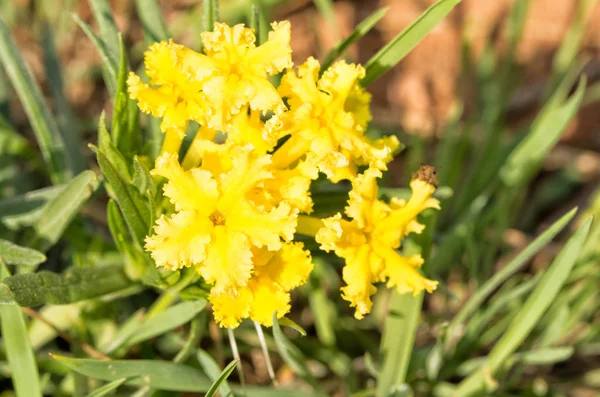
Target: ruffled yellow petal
[
  {"x": 187, "y": 188},
  {"x": 175, "y": 91},
  {"x": 180, "y": 240},
  {"x": 359, "y": 281},
  {"x": 401, "y": 273},
  {"x": 289, "y": 268},
  {"x": 242, "y": 72},
  {"x": 230, "y": 310},
  {"x": 269, "y": 298},
  {"x": 228, "y": 263},
  {"x": 327, "y": 120},
  {"x": 275, "y": 54}
]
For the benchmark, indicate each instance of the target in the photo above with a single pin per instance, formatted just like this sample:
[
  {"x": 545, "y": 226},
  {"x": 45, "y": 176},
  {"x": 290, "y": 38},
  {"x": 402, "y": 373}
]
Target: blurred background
[{"x": 476, "y": 81}]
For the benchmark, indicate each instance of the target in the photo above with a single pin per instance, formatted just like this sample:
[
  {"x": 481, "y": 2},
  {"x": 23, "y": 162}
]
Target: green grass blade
[
  {"x": 58, "y": 213},
  {"x": 75, "y": 284},
  {"x": 292, "y": 355},
  {"x": 475, "y": 302},
  {"x": 152, "y": 20},
  {"x": 107, "y": 26},
  {"x": 210, "y": 14},
  {"x": 156, "y": 374},
  {"x": 405, "y": 41},
  {"x": 220, "y": 383},
  {"x": 107, "y": 389},
  {"x": 528, "y": 316},
  {"x": 13, "y": 254},
  {"x": 18, "y": 349},
  {"x": 545, "y": 132},
  {"x": 571, "y": 43},
  {"x": 397, "y": 341},
  {"x": 212, "y": 370},
  {"x": 65, "y": 118},
  {"x": 167, "y": 320},
  {"x": 361, "y": 29},
  {"x": 44, "y": 126},
  {"x": 110, "y": 69}
]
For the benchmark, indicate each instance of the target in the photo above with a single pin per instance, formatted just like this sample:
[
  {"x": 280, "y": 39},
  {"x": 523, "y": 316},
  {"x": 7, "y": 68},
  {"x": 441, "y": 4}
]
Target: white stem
[
  {"x": 236, "y": 355},
  {"x": 263, "y": 345}
]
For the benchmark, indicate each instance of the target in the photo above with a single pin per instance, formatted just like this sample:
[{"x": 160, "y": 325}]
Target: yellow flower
[
  {"x": 248, "y": 128},
  {"x": 327, "y": 121},
  {"x": 216, "y": 225},
  {"x": 268, "y": 291},
  {"x": 240, "y": 70},
  {"x": 175, "y": 88},
  {"x": 368, "y": 241}
]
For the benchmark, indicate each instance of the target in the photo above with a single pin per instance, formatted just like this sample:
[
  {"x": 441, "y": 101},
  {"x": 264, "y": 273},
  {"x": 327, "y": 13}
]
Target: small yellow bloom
[
  {"x": 239, "y": 70},
  {"x": 175, "y": 89},
  {"x": 268, "y": 291},
  {"x": 368, "y": 241},
  {"x": 327, "y": 121},
  {"x": 216, "y": 224}
]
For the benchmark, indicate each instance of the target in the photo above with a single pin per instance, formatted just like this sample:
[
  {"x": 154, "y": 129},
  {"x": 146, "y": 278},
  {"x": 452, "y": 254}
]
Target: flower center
[{"x": 217, "y": 218}]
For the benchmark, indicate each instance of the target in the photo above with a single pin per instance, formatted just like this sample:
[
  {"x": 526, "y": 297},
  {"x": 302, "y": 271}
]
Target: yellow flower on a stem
[
  {"x": 216, "y": 224},
  {"x": 268, "y": 291},
  {"x": 368, "y": 241},
  {"x": 327, "y": 121}
]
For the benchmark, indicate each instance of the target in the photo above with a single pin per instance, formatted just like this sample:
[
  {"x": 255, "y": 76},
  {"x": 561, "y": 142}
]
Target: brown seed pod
[{"x": 426, "y": 173}]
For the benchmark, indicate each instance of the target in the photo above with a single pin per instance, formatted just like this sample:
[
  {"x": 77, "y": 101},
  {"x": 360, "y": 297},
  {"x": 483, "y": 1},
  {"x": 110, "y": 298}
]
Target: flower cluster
[{"x": 242, "y": 190}]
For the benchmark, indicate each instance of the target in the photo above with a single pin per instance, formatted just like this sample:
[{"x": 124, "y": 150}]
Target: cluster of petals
[
  {"x": 369, "y": 240},
  {"x": 236, "y": 196}
]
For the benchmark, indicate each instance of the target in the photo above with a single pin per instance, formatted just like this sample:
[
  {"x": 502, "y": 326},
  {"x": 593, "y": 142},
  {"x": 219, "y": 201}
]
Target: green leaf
[
  {"x": 545, "y": 131},
  {"x": 161, "y": 375},
  {"x": 405, "y": 41},
  {"x": 106, "y": 389},
  {"x": 18, "y": 349},
  {"x": 125, "y": 124},
  {"x": 111, "y": 152},
  {"x": 397, "y": 341},
  {"x": 213, "y": 371},
  {"x": 152, "y": 20},
  {"x": 75, "y": 284},
  {"x": 66, "y": 121},
  {"x": 219, "y": 379},
  {"x": 24, "y": 210},
  {"x": 475, "y": 302},
  {"x": 167, "y": 320},
  {"x": 106, "y": 23},
  {"x": 110, "y": 69},
  {"x": 13, "y": 254},
  {"x": 44, "y": 126},
  {"x": 530, "y": 313},
  {"x": 210, "y": 14},
  {"x": 361, "y": 29},
  {"x": 132, "y": 204},
  {"x": 286, "y": 322},
  {"x": 58, "y": 212},
  {"x": 125, "y": 332},
  {"x": 292, "y": 355}
]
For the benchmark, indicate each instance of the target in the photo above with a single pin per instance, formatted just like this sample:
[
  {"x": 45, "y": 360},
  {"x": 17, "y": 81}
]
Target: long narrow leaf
[
  {"x": 361, "y": 29},
  {"x": 13, "y": 254},
  {"x": 161, "y": 375},
  {"x": 106, "y": 23},
  {"x": 19, "y": 353},
  {"x": 405, "y": 41},
  {"x": 398, "y": 340},
  {"x": 45, "y": 128},
  {"x": 152, "y": 20},
  {"x": 58, "y": 213},
  {"x": 511, "y": 268},
  {"x": 533, "y": 309}
]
